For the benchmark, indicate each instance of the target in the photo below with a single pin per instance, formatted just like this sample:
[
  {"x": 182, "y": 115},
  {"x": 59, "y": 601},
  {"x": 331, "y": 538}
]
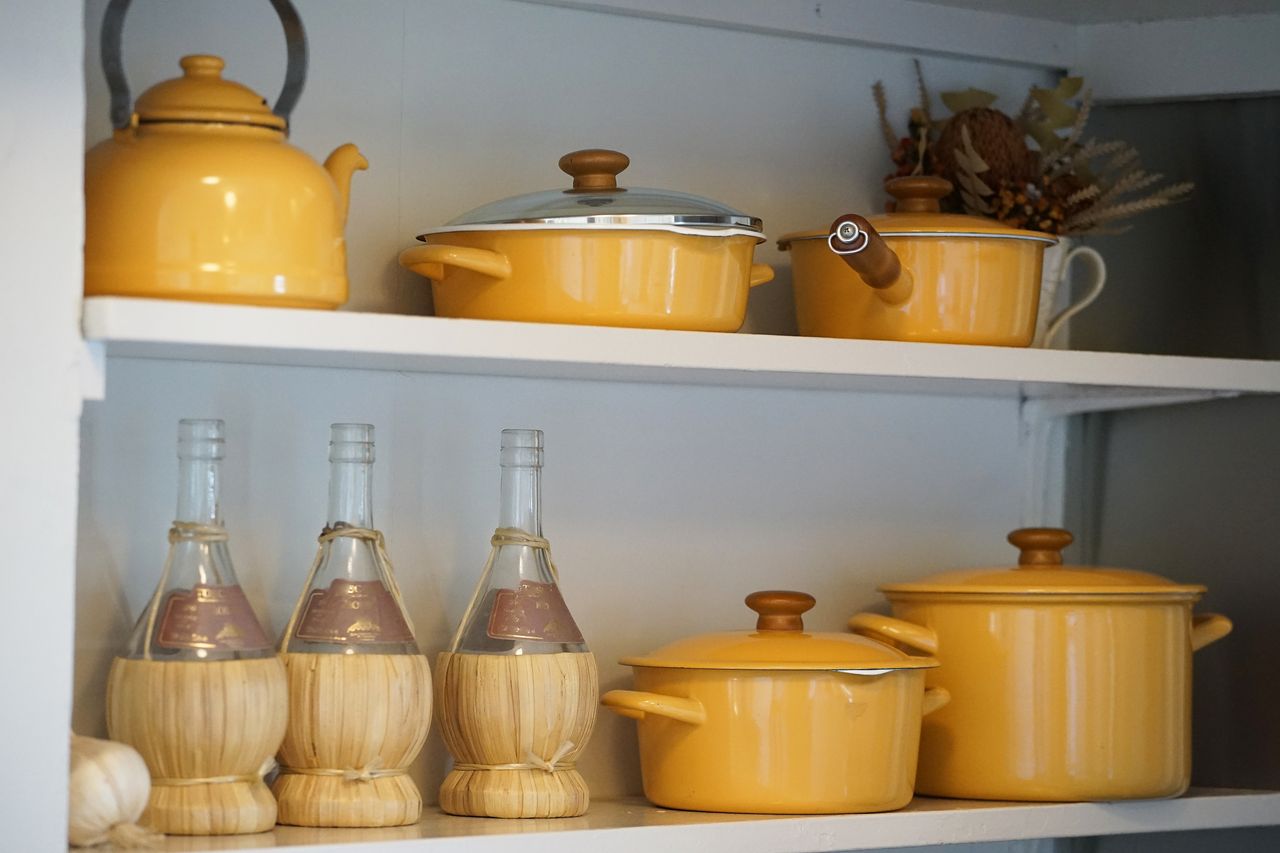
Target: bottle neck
[
  {"x": 350, "y": 494},
  {"x": 521, "y": 505},
  {"x": 198, "y": 483}
]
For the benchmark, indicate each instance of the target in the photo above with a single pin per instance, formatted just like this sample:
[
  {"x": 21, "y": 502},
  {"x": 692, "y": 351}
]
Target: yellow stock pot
[
  {"x": 780, "y": 720},
  {"x": 1068, "y": 683},
  {"x": 199, "y": 196},
  {"x": 596, "y": 253},
  {"x": 918, "y": 274}
]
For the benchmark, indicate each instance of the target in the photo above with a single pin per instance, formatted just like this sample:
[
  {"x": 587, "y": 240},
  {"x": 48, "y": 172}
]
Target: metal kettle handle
[{"x": 295, "y": 74}]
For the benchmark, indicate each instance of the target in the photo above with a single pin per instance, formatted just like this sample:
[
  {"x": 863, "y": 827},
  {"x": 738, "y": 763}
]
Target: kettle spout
[{"x": 344, "y": 160}]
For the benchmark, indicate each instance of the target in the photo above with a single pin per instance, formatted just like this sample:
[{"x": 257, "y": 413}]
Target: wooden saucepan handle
[{"x": 858, "y": 243}]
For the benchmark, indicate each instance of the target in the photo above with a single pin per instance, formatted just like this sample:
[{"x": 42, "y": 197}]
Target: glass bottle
[
  {"x": 199, "y": 691},
  {"x": 518, "y": 689},
  {"x": 359, "y": 690},
  {"x": 517, "y": 607},
  {"x": 199, "y": 611},
  {"x": 351, "y": 604}
]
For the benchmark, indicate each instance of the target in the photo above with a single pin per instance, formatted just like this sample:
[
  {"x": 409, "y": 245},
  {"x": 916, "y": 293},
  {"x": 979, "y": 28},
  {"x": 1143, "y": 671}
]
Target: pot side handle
[
  {"x": 433, "y": 261},
  {"x": 909, "y": 634},
  {"x": 636, "y": 703},
  {"x": 859, "y": 245},
  {"x": 1208, "y": 628},
  {"x": 934, "y": 698},
  {"x": 761, "y": 274}
]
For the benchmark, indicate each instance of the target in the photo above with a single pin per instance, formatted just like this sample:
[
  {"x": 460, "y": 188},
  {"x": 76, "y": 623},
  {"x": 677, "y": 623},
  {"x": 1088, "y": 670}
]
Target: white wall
[{"x": 41, "y": 120}]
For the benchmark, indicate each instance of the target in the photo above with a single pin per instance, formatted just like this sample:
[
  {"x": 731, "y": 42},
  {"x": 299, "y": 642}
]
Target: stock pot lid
[
  {"x": 781, "y": 643},
  {"x": 1040, "y": 571},
  {"x": 918, "y": 213},
  {"x": 596, "y": 201}
]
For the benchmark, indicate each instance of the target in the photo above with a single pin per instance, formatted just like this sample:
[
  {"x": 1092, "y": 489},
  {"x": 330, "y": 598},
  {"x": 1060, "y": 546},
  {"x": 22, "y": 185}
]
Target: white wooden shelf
[
  {"x": 632, "y": 824},
  {"x": 141, "y": 328}
]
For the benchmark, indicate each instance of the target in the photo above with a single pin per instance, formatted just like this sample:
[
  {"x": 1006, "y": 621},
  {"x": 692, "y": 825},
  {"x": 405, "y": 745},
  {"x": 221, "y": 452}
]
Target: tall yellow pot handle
[
  {"x": 636, "y": 703},
  {"x": 934, "y": 698},
  {"x": 761, "y": 274},
  {"x": 1208, "y": 628},
  {"x": 434, "y": 260},
  {"x": 909, "y": 634}
]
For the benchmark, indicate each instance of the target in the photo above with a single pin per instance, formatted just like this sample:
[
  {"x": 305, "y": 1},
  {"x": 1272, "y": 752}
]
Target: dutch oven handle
[
  {"x": 1208, "y": 628},
  {"x": 636, "y": 704},
  {"x": 900, "y": 631},
  {"x": 295, "y": 74}
]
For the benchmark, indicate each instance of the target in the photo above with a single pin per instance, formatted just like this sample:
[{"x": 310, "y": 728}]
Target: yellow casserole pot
[
  {"x": 199, "y": 196},
  {"x": 918, "y": 274},
  {"x": 779, "y": 720},
  {"x": 596, "y": 254},
  {"x": 1068, "y": 683}
]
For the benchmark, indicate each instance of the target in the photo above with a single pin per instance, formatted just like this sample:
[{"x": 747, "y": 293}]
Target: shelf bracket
[{"x": 1043, "y": 439}]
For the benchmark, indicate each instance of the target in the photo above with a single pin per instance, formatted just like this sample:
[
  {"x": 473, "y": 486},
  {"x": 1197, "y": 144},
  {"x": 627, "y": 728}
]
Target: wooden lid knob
[
  {"x": 1040, "y": 546},
  {"x": 594, "y": 169},
  {"x": 918, "y": 193},
  {"x": 780, "y": 609}
]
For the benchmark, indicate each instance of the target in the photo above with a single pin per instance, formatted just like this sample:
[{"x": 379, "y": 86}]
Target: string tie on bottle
[
  {"x": 344, "y": 531},
  {"x": 532, "y": 762},
  {"x": 368, "y": 773},
  {"x": 515, "y": 536}
]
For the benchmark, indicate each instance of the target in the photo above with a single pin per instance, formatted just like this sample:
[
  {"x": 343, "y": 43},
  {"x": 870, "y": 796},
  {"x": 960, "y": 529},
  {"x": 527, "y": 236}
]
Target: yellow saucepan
[
  {"x": 597, "y": 254},
  {"x": 918, "y": 274},
  {"x": 778, "y": 720},
  {"x": 1068, "y": 683}
]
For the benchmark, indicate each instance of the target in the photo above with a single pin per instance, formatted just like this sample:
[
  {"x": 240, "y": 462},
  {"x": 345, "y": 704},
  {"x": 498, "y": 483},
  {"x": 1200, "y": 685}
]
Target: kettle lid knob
[
  {"x": 1040, "y": 546},
  {"x": 780, "y": 609},
  {"x": 202, "y": 65}
]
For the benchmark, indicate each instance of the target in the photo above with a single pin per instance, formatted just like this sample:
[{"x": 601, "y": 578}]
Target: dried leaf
[
  {"x": 1099, "y": 214},
  {"x": 969, "y": 99},
  {"x": 1057, "y": 112},
  {"x": 1069, "y": 87},
  {"x": 924, "y": 94},
  {"x": 882, "y": 107},
  {"x": 1081, "y": 196}
]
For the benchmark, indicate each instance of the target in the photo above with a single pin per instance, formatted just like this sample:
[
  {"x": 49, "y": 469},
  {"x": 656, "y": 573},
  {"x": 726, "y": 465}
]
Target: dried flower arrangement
[{"x": 1035, "y": 170}]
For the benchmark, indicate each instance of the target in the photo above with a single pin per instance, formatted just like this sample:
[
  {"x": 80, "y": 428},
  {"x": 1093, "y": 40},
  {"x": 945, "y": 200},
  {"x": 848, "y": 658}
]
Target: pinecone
[{"x": 997, "y": 140}]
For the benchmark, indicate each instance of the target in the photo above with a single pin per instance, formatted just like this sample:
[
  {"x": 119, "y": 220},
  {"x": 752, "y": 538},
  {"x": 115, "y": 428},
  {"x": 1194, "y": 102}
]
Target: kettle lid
[{"x": 202, "y": 95}]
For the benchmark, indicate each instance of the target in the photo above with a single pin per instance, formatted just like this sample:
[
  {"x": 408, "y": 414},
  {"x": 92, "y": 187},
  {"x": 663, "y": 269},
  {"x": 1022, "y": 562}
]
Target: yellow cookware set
[
  {"x": 1043, "y": 682},
  {"x": 198, "y": 195}
]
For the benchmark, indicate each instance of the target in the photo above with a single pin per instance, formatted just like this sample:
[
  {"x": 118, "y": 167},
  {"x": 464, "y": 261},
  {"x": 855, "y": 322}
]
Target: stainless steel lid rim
[
  {"x": 810, "y": 668},
  {"x": 1030, "y": 596},
  {"x": 1030, "y": 238},
  {"x": 610, "y": 223}
]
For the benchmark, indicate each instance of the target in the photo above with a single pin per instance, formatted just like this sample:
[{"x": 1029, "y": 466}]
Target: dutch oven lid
[
  {"x": 780, "y": 642},
  {"x": 918, "y": 213},
  {"x": 1040, "y": 571},
  {"x": 200, "y": 95},
  {"x": 595, "y": 201}
]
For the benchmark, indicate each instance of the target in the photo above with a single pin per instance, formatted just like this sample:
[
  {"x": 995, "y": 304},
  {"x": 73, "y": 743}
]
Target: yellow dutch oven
[
  {"x": 596, "y": 253},
  {"x": 918, "y": 274},
  {"x": 1068, "y": 683},
  {"x": 779, "y": 720},
  {"x": 199, "y": 196}
]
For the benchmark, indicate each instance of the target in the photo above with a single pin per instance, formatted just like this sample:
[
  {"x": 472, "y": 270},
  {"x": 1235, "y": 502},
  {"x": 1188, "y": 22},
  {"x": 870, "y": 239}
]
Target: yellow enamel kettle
[{"x": 199, "y": 196}]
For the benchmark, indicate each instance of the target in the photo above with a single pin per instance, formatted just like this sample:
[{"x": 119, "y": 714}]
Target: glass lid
[
  {"x": 596, "y": 199},
  {"x": 780, "y": 642},
  {"x": 1040, "y": 571}
]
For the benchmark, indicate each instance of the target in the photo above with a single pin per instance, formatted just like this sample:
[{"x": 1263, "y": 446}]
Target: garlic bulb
[{"x": 109, "y": 788}]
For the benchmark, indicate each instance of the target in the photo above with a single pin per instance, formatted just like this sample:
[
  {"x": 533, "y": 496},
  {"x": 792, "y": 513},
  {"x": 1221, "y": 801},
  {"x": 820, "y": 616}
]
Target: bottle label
[
  {"x": 217, "y": 618},
  {"x": 535, "y": 611},
  {"x": 353, "y": 612}
]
